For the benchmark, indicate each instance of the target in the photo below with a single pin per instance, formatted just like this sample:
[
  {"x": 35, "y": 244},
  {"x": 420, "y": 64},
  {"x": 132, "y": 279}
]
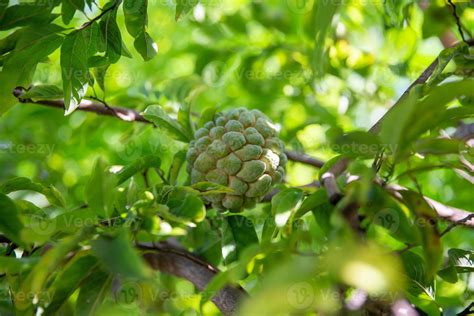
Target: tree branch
[
  {"x": 176, "y": 261},
  {"x": 304, "y": 158},
  {"x": 457, "y": 19},
  {"x": 130, "y": 115},
  {"x": 448, "y": 213},
  {"x": 425, "y": 75},
  {"x": 172, "y": 260},
  {"x": 123, "y": 114}
]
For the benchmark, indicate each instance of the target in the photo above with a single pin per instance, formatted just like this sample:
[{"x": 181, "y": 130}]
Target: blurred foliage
[{"x": 323, "y": 71}]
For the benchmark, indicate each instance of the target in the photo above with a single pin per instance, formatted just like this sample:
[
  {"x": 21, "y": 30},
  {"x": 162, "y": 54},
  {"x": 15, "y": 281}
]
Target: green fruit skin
[{"x": 241, "y": 150}]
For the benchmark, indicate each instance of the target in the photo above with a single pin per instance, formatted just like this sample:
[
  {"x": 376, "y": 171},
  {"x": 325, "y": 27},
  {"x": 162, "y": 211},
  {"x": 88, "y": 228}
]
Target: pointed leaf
[{"x": 10, "y": 224}]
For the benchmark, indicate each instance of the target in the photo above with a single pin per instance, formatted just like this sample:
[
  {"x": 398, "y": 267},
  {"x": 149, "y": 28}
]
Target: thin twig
[
  {"x": 453, "y": 225},
  {"x": 458, "y": 20},
  {"x": 420, "y": 80},
  {"x": 98, "y": 17},
  {"x": 123, "y": 114}
]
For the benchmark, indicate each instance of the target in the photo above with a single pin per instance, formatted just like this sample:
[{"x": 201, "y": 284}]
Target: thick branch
[
  {"x": 448, "y": 213},
  {"x": 172, "y": 260},
  {"x": 303, "y": 158}
]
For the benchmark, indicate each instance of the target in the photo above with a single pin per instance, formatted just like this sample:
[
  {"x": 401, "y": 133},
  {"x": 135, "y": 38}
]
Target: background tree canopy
[{"x": 100, "y": 99}]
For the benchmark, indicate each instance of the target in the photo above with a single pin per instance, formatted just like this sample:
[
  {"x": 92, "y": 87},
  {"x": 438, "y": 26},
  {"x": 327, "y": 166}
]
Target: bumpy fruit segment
[{"x": 239, "y": 149}]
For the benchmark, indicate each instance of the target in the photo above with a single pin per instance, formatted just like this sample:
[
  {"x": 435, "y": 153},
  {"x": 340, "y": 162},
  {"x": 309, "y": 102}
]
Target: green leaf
[
  {"x": 323, "y": 14},
  {"x": 413, "y": 117},
  {"x": 69, "y": 7},
  {"x": 395, "y": 221},
  {"x": 43, "y": 92},
  {"x": 36, "y": 280},
  {"x": 427, "y": 112},
  {"x": 26, "y": 14},
  {"x": 449, "y": 274},
  {"x": 432, "y": 246},
  {"x": 119, "y": 257},
  {"x": 243, "y": 231},
  {"x": 460, "y": 261},
  {"x": 100, "y": 71},
  {"x": 286, "y": 200},
  {"x": 358, "y": 144},
  {"x": 78, "y": 46},
  {"x": 443, "y": 60},
  {"x": 184, "y": 118},
  {"x": 138, "y": 165},
  {"x": 146, "y": 46},
  {"x": 322, "y": 215},
  {"x": 100, "y": 191},
  {"x": 182, "y": 90},
  {"x": 10, "y": 223},
  {"x": 230, "y": 276},
  {"x": 463, "y": 259},
  {"x": 438, "y": 146},
  {"x": 391, "y": 129},
  {"x": 111, "y": 36},
  {"x": 92, "y": 293},
  {"x": 3, "y": 7},
  {"x": 10, "y": 265},
  {"x": 34, "y": 44},
  {"x": 50, "y": 192},
  {"x": 394, "y": 10},
  {"x": 136, "y": 18},
  {"x": 156, "y": 114},
  {"x": 178, "y": 160},
  {"x": 69, "y": 280},
  {"x": 268, "y": 230},
  {"x": 208, "y": 188},
  {"x": 186, "y": 204},
  {"x": 415, "y": 268},
  {"x": 313, "y": 201},
  {"x": 8, "y": 43},
  {"x": 67, "y": 11},
  {"x": 184, "y": 6},
  {"x": 207, "y": 115},
  {"x": 74, "y": 220},
  {"x": 418, "y": 204}
]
